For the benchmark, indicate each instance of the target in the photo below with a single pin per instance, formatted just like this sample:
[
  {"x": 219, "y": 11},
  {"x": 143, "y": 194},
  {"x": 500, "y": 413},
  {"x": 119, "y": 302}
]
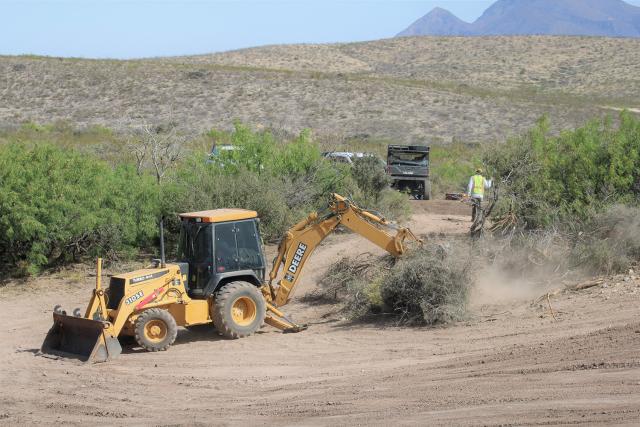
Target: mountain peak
[
  {"x": 437, "y": 22},
  {"x": 613, "y": 18},
  {"x": 439, "y": 11}
]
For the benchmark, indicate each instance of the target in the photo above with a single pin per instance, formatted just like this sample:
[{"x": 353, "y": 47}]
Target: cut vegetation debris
[{"x": 428, "y": 286}]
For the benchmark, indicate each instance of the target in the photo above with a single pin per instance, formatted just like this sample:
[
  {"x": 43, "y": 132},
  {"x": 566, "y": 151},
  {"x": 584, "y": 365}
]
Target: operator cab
[{"x": 219, "y": 245}]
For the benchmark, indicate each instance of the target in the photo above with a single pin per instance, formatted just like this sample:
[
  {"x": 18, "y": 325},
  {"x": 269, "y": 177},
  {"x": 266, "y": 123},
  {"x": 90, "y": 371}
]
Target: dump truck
[
  {"x": 220, "y": 278},
  {"x": 408, "y": 167}
]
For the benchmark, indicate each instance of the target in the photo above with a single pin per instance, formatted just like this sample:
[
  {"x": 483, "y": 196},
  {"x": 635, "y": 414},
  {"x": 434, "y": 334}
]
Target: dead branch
[
  {"x": 157, "y": 149},
  {"x": 586, "y": 285}
]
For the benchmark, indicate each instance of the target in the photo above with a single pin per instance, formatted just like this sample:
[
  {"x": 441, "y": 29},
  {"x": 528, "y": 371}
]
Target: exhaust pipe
[{"x": 163, "y": 261}]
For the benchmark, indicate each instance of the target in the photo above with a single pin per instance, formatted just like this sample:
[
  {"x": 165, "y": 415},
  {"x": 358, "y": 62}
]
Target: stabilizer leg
[{"x": 279, "y": 320}]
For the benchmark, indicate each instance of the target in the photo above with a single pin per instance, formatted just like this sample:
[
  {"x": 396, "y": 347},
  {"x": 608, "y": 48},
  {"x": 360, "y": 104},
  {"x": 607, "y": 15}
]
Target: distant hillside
[
  {"x": 411, "y": 89},
  {"x": 611, "y": 18}
]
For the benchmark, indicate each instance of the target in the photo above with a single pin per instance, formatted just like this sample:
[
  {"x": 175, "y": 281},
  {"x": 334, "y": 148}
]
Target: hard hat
[{"x": 478, "y": 170}]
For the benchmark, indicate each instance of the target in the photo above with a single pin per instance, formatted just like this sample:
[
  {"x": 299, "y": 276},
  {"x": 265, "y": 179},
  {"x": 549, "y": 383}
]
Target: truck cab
[
  {"x": 219, "y": 246},
  {"x": 408, "y": 167}
]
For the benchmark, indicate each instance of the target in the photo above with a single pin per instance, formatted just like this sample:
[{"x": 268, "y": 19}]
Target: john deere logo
[{"x": 297, "y": 258}]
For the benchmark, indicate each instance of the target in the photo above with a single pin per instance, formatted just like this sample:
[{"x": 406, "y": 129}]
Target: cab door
[{"x": 196, "y": 249}]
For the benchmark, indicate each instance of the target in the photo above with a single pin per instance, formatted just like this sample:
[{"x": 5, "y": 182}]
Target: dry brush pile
[{"x": 429, "y": 286}]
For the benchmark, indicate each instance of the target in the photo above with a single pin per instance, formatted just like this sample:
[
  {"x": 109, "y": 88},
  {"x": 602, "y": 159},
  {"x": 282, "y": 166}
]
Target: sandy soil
[{"x": 511, "y": 363}]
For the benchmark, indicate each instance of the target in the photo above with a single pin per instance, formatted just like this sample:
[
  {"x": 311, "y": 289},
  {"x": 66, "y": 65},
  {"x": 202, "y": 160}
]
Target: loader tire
[
  {"x": 155, "y": 329},
  {"x": 238, "y": 310}
]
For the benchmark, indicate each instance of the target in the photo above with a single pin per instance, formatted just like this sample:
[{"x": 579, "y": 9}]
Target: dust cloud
[{"x": 493, "y": 285}]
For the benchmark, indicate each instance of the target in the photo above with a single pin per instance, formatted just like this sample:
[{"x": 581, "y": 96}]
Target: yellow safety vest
[{"x": 478, "y": 185}]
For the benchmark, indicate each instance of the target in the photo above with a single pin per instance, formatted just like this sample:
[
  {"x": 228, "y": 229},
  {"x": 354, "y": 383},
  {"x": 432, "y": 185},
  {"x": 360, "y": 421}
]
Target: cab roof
[{"x": 220, "y": 215}]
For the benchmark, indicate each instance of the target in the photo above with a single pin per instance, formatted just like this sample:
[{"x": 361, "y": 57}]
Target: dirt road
[{"x": 511, "y": 363}]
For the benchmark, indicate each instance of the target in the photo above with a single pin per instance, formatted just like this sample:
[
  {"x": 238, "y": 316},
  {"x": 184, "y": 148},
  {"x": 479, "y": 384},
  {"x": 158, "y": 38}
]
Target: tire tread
[
  {"x": 218, "y": 308},
  {"x": 155, "y": 313}
]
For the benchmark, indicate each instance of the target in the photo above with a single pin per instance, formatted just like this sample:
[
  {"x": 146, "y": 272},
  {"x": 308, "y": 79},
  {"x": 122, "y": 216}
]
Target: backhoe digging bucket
[{"x": 78, "y": 337}]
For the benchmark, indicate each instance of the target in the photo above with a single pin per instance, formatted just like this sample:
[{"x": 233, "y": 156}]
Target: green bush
[
  {"x": 370, "y": 176},
  {"x": 373, "y": 189},
  {"x": 282, "y": 180},
  {"x": 198, "y": 187},
  {"x": 262, "y": 153},
  {"x": 547, "y": 179},
  {"x": 392, "y": 205},
  {"x": 65, "y": 195},
  {"x": 451, "y": 167},
  {"x": 57, "y": 205}
]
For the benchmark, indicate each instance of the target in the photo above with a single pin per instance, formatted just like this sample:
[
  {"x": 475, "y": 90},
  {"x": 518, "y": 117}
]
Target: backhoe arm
[{"x": 303, "y": 238}]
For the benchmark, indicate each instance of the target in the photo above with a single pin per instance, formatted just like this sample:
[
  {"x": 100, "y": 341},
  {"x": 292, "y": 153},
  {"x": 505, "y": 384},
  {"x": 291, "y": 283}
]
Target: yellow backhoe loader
[{"x": 219, "y": 279}]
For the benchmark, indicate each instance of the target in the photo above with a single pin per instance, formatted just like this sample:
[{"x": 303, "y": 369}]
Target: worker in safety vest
[{"x": 477, "y": 185}]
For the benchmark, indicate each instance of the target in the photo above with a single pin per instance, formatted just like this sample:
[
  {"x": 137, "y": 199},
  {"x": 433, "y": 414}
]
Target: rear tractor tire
[
  {"x": 155, "y": 329},
  {"x": 238, "y": 310}
]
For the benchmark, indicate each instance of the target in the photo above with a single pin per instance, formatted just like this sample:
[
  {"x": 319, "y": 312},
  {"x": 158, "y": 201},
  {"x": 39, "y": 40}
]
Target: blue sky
[{"x": 143, "y": 28}]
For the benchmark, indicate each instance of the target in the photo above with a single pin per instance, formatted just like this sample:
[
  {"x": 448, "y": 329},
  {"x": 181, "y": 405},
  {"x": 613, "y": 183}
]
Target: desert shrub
[
  {"x": 547, "y": 179},
  {"x": 452, "y": 165},
  {"x": 57, "y": 205},
  {"x": 298, "y": 160},
  {"x": 285, "y": 179},
  {"x": 606, "y": 243},
  {"x": 282, "y": 181},
  {"x": 611, "y": 243},
  {"x": 262, "y": 153},
  {"x": 64, "y": 197},
  {"x": 370, "y": 176},
  {"x": 198, "y": 186},
  {"x": 373, "y": 189},
  {"x": 574, "y": 185},
  {"x": 392, "y": 205}
]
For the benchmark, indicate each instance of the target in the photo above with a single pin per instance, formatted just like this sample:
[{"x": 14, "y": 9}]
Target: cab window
[
  {"x": 226, "y": 252},
  {"x": 249, "y": 256}
]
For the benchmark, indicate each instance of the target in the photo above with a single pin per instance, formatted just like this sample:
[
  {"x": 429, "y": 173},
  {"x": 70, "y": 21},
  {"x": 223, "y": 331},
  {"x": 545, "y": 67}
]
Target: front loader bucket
[{"x": 81, "y": 338}]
